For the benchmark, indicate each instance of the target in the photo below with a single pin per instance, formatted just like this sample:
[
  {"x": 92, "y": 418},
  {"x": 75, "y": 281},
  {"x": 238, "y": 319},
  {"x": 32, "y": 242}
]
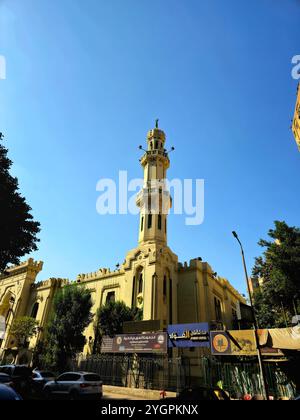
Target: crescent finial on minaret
[{"x": 156, "y": 123}]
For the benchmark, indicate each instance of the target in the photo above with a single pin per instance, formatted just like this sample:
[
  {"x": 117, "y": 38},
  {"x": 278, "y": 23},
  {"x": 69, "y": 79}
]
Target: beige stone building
[{"x": 150, "y": 277}]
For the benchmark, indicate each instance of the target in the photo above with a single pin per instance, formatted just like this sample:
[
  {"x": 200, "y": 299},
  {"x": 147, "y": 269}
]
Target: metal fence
[
  {"x": 244, "y": 378},
  {"x": 137, "y": 372},
  {"x": 175, "y": 374}
]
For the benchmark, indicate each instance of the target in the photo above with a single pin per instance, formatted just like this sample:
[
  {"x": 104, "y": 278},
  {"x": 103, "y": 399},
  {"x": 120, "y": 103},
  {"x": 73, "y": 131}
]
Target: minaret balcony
[{"x": 155, "y": 154}]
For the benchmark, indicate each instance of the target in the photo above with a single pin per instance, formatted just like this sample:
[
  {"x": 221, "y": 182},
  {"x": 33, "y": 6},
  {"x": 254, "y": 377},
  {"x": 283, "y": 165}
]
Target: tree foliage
[
  {"x": 71, "y": 315},
  {"x": 112, "y": 315},
  {"x": 279, "y": 267},
  {"x": 23, "y": 328},
  {"x": 18, "y": 229}
]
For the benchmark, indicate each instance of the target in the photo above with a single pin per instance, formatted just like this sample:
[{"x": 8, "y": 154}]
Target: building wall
[
  {"x": 198, "y": 288},
  {"x": 172, "y": 292}
]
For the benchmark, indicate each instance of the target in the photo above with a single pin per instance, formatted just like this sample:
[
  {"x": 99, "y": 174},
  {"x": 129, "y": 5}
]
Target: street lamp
[{"x": 262, "y": 372}]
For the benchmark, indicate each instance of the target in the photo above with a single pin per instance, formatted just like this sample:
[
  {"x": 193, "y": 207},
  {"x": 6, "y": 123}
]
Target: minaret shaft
[{"x": 154, "y": 199}]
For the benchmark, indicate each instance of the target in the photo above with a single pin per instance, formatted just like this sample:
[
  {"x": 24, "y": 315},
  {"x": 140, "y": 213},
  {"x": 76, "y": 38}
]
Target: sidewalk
[{"x": 117, "y": 392}]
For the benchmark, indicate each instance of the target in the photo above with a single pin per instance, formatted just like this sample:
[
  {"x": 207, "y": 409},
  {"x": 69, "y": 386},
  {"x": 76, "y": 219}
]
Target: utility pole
[{"x": 259, "y": 356}]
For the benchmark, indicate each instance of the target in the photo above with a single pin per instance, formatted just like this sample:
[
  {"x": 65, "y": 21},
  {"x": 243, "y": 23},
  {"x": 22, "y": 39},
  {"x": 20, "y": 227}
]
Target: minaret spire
[{"x": 154, "y": 200}]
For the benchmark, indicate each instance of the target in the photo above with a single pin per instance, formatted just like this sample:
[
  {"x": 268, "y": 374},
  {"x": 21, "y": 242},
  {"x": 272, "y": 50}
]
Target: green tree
[
  {"x": 71, "y": 315},
  {"x": 110, "y": 319},
  {"x": 18, "y": 230},
  {"x": 23, "y": 328},
  {"x": 279, "y": 267}
]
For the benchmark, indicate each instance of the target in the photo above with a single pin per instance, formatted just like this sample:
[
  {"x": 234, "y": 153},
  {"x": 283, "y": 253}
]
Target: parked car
[
  {"x": 20, "y": 376},
  {"x": 75, "y": 385},
  {"x": 5, "y": 379},
  {"x": 8, "y": 394},
  {"x": 40, "y": 378},
  {"x": 203, "y": 394}
]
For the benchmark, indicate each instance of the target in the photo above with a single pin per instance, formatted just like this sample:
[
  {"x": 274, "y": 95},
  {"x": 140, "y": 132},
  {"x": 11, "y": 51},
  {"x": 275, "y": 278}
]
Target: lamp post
[{"x": 259, "y": 356}]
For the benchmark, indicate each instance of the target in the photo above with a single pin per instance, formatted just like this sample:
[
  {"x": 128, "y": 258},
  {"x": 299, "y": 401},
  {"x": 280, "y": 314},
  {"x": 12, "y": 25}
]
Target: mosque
[{"x": 150, "y": 278}]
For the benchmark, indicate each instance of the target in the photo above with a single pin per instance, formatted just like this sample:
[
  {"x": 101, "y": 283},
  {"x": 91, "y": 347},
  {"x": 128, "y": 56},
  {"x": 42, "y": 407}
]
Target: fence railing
[{"x": 175, "y": 374}]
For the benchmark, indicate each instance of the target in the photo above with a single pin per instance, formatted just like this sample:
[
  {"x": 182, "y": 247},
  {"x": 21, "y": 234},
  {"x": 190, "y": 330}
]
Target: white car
[{"x": 75, "y": 385}]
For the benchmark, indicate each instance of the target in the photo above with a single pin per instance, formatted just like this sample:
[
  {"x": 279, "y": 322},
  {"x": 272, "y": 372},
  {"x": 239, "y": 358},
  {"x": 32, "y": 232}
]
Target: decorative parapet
[
  {"x": 46, "y": 284},
  {"x": 30, "y": 266},
  {"x": 102, "y": 273},
  {"x": 194, "y": 264}
]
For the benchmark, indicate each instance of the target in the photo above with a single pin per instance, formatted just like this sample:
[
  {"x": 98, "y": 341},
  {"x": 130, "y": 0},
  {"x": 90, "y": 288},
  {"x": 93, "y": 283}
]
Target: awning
[{"x": 285, "y": 338}]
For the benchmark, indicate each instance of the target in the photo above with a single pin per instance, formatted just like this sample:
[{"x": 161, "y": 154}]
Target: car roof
[
  {"x": 70, "y": 373},
  {"x": 80, "y": 373},
  {"x": 88, "y": 373},
  {"x": 14, "y": 365},
  {"x": 41, "y": 371}
]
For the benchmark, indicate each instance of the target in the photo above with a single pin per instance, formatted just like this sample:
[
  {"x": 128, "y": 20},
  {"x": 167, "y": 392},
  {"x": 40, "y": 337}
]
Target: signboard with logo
[
  {"x": 135, "y": 343},
  {"x": 2, "y": 327},
  {"x": 238, "y": 343},
  {"x": 189, "y": 335}
]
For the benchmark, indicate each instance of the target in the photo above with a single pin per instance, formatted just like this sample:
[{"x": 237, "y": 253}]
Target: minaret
[{"x": 154, "y": 200}]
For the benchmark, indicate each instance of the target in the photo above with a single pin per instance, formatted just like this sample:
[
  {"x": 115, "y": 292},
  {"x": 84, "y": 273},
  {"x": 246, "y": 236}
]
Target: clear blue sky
[{"x": 86, "y": 80}]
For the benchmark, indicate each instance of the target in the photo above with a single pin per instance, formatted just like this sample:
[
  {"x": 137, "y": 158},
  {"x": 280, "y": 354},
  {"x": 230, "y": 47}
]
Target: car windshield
[{"x": 92, "y": 378}]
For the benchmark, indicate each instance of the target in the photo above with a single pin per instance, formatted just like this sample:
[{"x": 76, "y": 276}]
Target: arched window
[
  {"x": 142, "y": 224},
  {"x": 35, "y": 309},
  {"x": 165, "y": 286},
  {"x": 170, "y": 301},
  {"x": 149, "y": 221},
  {"x": 159, "y": 221},
  {"x": 133, "y": 292},
  {"x": 110, "y": 297},
  {"x": 140, "y": 287}
]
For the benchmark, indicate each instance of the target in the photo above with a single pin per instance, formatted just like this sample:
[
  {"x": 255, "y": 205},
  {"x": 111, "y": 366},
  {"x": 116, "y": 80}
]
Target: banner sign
[
  {"x": 2, "y": 327},
  {"x": 189, "y": 335},
  {"x": 135, "y": 343},
  {"x": 238, "y": 343}
]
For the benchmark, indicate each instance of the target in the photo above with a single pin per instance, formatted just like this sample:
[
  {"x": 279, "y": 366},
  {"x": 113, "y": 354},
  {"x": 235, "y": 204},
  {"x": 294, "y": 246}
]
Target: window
[
  {"x": 92, "y": 378},
  {"x": 170, "y": 301},
  {"x": 35, "y": 309},
  {"x": 68, "y": 377},
  {"x": 159, "y": 221},
  {"x": 140, "y": 289},
  {"x": 156, "y": 145},
  {"x": 110, "y": 297},
  {"x": 234, "y": 314},
  {"x": 142, "y": 224},
  {"x": 166, "y": 225},
  {"x": 149, "y": 221},
  {"x": 165, "y": 286},
  {"x": 133, "y": 293},
  {"x": 218, "y": 309}
]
